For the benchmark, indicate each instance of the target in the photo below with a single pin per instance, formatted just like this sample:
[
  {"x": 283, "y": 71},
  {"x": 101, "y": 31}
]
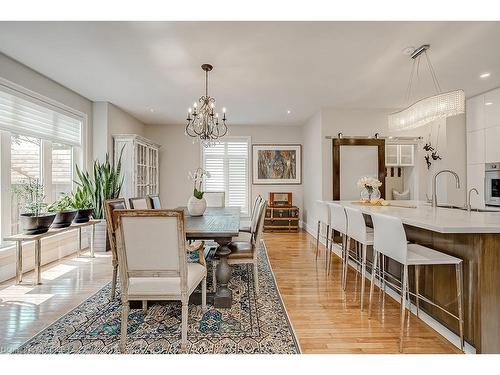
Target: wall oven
[{"x": 492, "y": 184}]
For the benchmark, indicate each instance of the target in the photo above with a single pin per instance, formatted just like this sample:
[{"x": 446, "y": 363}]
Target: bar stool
[
  {"x": 357, "y": 230},
  {"x": 323, "y": 222},
  {"x": 390, "y": 240},
  {"x": 338, "y": 222}
]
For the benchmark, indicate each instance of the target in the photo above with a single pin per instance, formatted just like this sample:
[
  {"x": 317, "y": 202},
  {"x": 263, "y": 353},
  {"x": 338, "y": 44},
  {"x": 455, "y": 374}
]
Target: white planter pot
[
  {"x": 100, "y": 236},
  {"x": 196, "y": 207}
]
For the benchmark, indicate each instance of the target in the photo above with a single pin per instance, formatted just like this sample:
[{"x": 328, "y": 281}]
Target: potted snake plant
[
  {"x": 104, "y": 183},
  {"x": 35, "y": 219}
]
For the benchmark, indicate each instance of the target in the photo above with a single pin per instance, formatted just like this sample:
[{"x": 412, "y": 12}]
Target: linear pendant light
[{"x": 426, "y": 110}]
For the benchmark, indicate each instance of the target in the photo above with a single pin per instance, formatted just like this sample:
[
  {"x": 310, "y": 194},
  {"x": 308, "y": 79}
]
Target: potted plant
[
  {"x": 197, "y": 204},
  {"x": 104, "y": 183},
  {"x": 65, "y": 213},
  {"x": 35, "y": 219},
  {"x": 80, "y": 200}
]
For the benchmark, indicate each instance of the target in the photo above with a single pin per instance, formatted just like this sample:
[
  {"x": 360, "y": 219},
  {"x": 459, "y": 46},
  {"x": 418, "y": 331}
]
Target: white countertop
[{"x": 443, "y": 220}]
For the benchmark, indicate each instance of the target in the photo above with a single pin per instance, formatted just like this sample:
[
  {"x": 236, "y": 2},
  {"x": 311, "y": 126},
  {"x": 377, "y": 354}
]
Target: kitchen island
[{"x": 473, "y": 237}]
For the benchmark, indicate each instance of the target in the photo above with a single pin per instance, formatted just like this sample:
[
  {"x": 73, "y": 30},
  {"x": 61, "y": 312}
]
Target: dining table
[{"x": 221, "y": 225}]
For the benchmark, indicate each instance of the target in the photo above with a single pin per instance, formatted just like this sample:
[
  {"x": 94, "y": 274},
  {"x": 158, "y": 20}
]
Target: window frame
[
  {"x": 248, "y": 140},
  {"x": 79, "y": 154}
]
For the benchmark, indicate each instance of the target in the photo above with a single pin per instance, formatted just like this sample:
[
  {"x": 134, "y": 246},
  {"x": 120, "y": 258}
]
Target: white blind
[
  {"x": 227, "y": 163},
  {"x": 35, "y": 118}
]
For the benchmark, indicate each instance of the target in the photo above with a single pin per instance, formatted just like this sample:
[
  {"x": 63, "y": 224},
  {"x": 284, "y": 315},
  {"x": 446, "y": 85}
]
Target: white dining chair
[
  {"x": 153, "y": 264},
  {"x": 138, "y": 203},
  {"x": 338, "y": 223},
  {"x": 323, "y": 229},
  {"x": 390, "y": 240},
  {"x": 358, "y": 231},
  {"x": 256, "y": 203},
  {"x": 215, "y": 198}
]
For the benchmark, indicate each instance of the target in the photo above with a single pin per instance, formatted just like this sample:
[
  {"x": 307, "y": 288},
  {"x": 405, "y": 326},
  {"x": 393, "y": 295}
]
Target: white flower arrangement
[
  {"x": 368, "y": 183},
  {"x": 197, "y": 178}
]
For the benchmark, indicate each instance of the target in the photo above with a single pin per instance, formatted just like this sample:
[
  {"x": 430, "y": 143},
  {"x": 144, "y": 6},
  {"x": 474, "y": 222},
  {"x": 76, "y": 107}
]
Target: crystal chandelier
[
  {"x": 203, "y": 121},
  {"x": 441, "y": 105}
]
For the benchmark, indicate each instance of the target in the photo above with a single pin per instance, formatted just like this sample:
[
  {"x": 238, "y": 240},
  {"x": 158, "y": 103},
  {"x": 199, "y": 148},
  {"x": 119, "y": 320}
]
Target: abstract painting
[{"x": 277, "y": 164}]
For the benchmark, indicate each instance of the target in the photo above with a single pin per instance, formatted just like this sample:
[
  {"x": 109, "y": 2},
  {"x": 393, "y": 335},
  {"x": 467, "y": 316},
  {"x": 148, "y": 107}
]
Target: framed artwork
[{"x": 277, "y": 164}]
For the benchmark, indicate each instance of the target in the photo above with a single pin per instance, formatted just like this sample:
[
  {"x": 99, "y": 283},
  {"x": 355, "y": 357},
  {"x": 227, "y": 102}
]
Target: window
[
  {"x": 38, "y": 140},
  {"x": 227, "y": 163}
]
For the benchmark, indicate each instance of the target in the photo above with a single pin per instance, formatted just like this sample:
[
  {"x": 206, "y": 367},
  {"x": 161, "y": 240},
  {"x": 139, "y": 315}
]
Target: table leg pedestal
[{"x": 223, "y": 296}]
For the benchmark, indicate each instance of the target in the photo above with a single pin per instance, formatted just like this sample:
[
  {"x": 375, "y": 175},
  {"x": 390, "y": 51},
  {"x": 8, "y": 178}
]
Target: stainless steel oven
[{"x": 492, "y": 184}]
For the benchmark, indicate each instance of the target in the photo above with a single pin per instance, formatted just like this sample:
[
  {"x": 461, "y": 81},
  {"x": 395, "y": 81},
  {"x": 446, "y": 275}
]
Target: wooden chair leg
[
  {"x": 214, "y": 278},
  {"x": 184, "y": 325},
  {"x": 204, "y": 294},
  {"x": 113, "y": 282},
  {"x": 144, "y": 306},
  {"x": 123, "y": 334}
]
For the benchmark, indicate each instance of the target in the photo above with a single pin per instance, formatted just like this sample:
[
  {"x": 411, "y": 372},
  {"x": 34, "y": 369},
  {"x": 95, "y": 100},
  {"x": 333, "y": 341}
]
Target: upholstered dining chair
[
  {"x": 109, "y": 206},
  {"x": 215, "y": 198},
  {"x": 154, "y": 201},
  {"x": 138, "y": 203},
  {"x": 253, "y": 214},
  {"x": 246, "y": 252},
  {"x": 153, "y": 263}
]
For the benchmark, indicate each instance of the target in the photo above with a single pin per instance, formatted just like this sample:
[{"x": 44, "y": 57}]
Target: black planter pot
[
  {"x": 37, "y": 224},
  {"x": 64, "y": 219},
  {"x": 83, "y": 215}
]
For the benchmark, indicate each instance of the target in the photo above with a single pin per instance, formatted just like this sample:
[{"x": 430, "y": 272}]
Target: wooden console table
[{"x": 37, "y": 238}]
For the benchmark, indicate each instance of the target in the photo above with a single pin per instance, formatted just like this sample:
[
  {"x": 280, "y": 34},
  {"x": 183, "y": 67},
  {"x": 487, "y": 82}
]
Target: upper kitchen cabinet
[
  {"x": 399, "y": 155},
  {"x": 492, "y": 139},
  {"x": 475, "y": 147},
  {"x": 492, "y": 108},
  {"x": 475, "y": 113}
]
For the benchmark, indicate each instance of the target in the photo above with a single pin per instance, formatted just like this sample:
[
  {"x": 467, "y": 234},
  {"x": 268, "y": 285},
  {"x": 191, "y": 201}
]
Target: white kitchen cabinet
[
  {"x": 475, "y": 147},
  {"x": 492, "y": 140},
  {"x": 391, "y": 155},
  {"x": 474, "y": 110},
  {"x": 492, "y": 108},
  {"x": 140, "y": 164},
  {"x": 475, "y": 179},
  {"x": 399, "y": 155}
]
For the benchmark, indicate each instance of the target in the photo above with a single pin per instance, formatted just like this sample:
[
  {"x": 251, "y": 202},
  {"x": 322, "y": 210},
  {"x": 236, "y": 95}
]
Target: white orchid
[
  {"x": 197, "y": 177},
  {"x": 368, "y": 183}
]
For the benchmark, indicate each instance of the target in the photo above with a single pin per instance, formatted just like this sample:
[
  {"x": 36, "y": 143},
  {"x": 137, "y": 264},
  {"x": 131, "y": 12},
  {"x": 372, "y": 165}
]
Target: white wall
[
  {"x": 178, "y": 156},
  {"x": 110, "y": 120}
]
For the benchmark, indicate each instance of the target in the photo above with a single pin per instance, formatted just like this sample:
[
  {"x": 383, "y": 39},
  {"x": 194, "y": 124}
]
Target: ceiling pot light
[
  {"x": 488, "y": 103},
  {"x": 203, "y": 121},
  {"x": 288, "y": 111},
  {"x": 485, "y": 75},
  {"x": 431, "y": 108}
]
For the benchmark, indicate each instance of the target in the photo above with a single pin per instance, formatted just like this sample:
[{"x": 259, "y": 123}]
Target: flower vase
[
  {"x": 196, "y": 207},
  {"x": 369, "y": 193}
]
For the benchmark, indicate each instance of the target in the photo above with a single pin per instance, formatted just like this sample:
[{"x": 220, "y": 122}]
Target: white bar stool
[
  {"x": 390, "y": 240},
  {"x": 338, "y": 222},
  {"x": 323, "y": 231},
  {"x": 357, "y": 230}
]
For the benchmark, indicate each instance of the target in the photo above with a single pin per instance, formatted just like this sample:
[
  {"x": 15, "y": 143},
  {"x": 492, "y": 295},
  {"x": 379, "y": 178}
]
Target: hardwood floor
[{"x": 328, "y": 320}]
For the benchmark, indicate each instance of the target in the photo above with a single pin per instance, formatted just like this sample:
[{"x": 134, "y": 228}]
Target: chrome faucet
[
  {"x": 468, "y": 205},
  {"x": 434, "y": 194}
]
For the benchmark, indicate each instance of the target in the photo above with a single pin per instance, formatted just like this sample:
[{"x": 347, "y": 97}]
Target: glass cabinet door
[
  {"x": 391, "y": 155},
  {"x": 406, "y": 155}
]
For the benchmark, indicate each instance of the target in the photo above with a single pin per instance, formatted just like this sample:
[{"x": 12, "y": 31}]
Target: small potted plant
[
  {"x": 80, "y": 201},
  {"x": 197, "y": 204},
  {"x": 65, "y": 213},
  {"x": 35, "y": 219}
]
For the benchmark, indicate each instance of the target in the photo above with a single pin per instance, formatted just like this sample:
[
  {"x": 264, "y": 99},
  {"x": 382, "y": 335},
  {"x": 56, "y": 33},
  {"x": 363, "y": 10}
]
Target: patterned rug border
[
  {"x": 289, "y": 321},
  {"x": 282, "y": 304}
]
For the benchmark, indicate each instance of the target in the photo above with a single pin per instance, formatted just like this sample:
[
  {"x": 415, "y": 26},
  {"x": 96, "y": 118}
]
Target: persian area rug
[{"x": 254, "y": 324}]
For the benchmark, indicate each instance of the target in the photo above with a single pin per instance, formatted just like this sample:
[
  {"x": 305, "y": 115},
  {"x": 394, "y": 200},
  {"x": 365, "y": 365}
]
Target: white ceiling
[{"x": 262, "y": 69}]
